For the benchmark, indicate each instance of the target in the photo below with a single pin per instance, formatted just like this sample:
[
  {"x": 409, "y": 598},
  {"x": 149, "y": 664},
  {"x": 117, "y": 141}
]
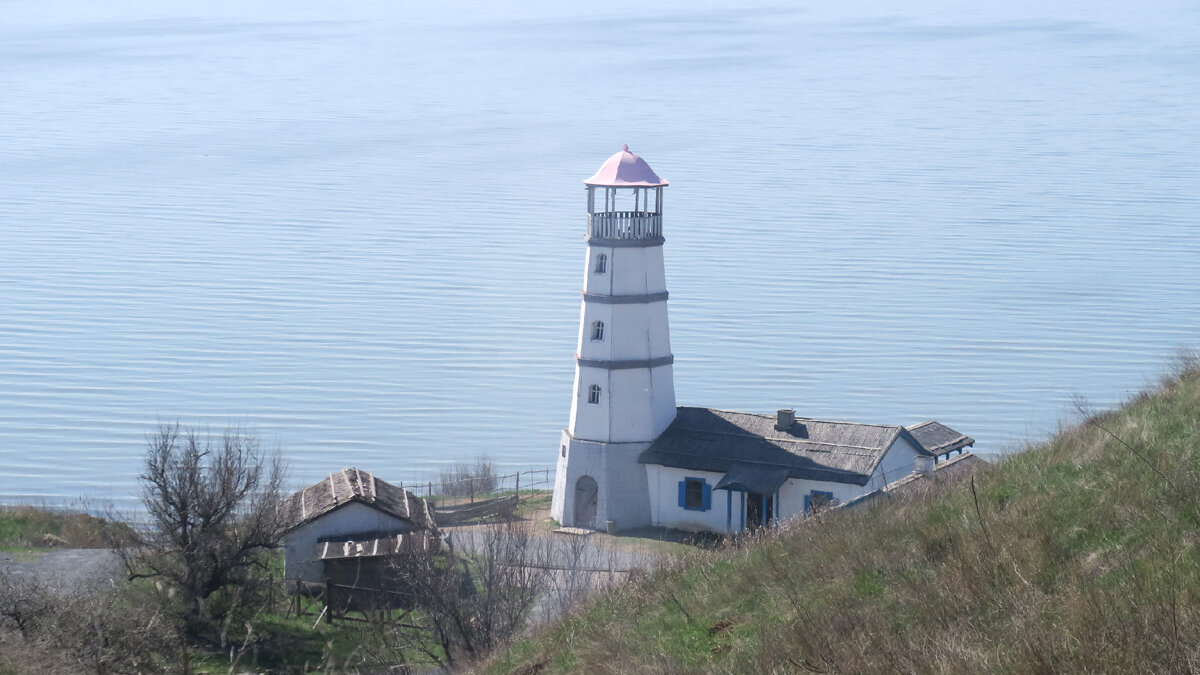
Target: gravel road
[{"x": 66, "y": 568}]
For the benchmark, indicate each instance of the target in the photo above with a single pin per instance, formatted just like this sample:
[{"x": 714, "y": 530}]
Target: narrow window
[
  {"x": 694, "y": 499},
  {"x": 601, "y": 263},
  {"x": 695, "y": 494},
  {"x": 594, "y": 394},
  {"x": 597, "y": 331},
  {"x": 564, "y": 451}
]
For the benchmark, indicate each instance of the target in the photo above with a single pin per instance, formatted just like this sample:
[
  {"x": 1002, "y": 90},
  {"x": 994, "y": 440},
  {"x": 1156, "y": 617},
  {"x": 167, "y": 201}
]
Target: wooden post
[
  {"x": 271, "y": 592},
  {"x": 517, "y": 491},
  {"x": 299, "y": 600},
  {"x": 328, "y": 600},
  {"x": 471, "y": 487}
]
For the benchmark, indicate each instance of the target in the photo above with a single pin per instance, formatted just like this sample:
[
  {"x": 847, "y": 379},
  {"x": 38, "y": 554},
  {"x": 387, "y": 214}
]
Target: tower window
[
  {"x": 594, "y": 394},
  {"x": 601, "y": 263},
  {"x": 563, "y": 451},
  {"x": 597, "y": 331}
]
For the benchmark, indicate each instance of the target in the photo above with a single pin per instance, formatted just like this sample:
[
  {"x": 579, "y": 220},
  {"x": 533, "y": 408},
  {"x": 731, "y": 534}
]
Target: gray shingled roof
[
  {"x": 704, "y": 439},
  {"x": 352, "y": 485},
  {"x": 759, "y": 478},
  {"x": 938, "y": 439}
]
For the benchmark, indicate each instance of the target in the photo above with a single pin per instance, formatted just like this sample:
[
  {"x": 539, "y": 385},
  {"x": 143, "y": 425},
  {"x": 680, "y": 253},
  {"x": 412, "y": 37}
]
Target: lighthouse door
[{"x": 585, "y": 502}]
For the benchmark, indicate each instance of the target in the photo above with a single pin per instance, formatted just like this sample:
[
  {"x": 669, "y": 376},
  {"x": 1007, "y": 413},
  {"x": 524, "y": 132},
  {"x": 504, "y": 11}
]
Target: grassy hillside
[
  {"x": 1079, "y": 555},
  {"x": 30, "y": 529}
]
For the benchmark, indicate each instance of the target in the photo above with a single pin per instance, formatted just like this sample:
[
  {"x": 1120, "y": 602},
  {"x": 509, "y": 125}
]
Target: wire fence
[{"x": 483, "y": 486}]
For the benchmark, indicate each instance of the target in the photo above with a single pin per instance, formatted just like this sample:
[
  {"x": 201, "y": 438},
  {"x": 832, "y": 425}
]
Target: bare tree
[{"x": 213, "y": 507}]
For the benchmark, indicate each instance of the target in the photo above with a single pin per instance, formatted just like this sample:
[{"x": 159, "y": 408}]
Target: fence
[{"x": 471, "y": 488}]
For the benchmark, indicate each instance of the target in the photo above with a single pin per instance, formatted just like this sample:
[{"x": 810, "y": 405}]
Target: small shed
[
  {"x": 349, "y": 525},
  {"x": 940, "y": 440}
]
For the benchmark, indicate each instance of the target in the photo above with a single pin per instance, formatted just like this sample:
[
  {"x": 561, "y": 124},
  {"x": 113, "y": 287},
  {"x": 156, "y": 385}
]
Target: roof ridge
[
  {"x": 769, "y": 439},
  {"x": 820, "y": 467},
  {"x": 798, "y": 418}
]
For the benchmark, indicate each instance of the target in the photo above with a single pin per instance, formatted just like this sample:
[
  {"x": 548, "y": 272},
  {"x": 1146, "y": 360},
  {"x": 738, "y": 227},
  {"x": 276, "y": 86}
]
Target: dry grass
[
  {"x": 1080, "y": 555},
  {"x": 31, "y": 527}
]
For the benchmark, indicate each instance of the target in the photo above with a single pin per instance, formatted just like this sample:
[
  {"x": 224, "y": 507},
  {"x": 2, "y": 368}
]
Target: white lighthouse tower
[{"x": 624, "y": 389}]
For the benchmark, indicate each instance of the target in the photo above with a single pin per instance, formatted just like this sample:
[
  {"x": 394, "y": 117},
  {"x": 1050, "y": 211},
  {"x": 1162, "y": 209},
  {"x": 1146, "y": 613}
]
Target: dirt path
[{"x": 66, "y": 568}]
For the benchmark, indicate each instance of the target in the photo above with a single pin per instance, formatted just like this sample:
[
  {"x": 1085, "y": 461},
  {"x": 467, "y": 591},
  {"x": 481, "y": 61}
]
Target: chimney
[
  {"x": 785, "y": 419},
  {"x": 923, "y": 465}
]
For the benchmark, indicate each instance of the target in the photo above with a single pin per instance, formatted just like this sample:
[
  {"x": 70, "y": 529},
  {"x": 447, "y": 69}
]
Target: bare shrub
[
  {"x": 472, "y": 604},
  {"x": 106, "y": 630},
  {"x": 466, "y": 478},
  {"x": 496, "y": 581},
  {"x": 213, "y": 506}
]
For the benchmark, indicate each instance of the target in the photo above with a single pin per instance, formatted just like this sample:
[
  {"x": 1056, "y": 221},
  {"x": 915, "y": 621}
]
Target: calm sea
[{"x": 356, "y": 227}]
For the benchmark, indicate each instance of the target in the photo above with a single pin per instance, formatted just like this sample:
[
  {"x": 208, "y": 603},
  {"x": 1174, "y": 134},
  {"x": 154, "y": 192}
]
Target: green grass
[{"x": 1080, "y": 555}]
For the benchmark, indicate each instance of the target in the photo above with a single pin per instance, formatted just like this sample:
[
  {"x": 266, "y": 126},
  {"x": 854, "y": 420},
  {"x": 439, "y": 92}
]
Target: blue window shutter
[
  {"x": 707, "y": 500},
  {"x": 683, "y": 494},
  {"x": 807, "y": 504}
]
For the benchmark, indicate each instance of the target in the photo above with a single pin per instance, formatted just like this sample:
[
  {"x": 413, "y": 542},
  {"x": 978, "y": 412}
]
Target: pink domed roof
[{"x": 625, "y": 169}]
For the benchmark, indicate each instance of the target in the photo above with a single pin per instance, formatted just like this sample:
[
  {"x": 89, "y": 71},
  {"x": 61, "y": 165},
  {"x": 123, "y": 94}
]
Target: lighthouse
[{"x": 624, "y": 392}]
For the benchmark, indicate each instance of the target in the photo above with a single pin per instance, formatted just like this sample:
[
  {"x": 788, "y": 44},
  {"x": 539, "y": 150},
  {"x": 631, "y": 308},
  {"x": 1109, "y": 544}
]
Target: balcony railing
[{"x": 624, "y": 225}]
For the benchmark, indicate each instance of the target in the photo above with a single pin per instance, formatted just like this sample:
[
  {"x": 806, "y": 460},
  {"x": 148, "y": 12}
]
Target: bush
[
  {"x": 107, "y": 630},
  {"x": 477, "y": 476}
]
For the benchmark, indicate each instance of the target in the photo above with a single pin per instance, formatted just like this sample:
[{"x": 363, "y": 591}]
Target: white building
[{"x": 630, "y": 456}]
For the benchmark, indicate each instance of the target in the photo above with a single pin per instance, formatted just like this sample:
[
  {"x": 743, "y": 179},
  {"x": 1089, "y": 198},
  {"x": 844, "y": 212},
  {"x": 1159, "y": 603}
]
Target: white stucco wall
[
  {"x": 896, "y": 464},
  {"x": 664, "y": 502},
  {"x": 793, "y": 492},
  {"x": 351, "y": 519},
  {"x": 632, "y": 331},
  {"x": 631, "y": 270},
  {"x": 636, "y": 404},
  {"x": 623, "y": 494}
]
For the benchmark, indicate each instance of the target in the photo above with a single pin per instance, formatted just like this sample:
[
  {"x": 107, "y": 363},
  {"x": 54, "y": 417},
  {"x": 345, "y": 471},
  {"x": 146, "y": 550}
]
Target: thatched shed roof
[
  {"x": 938, "y": 439},
  {"x": 352, "y": 485},
  {"x": 375, "y": 546},
  {"x": 704, "y": 439}
]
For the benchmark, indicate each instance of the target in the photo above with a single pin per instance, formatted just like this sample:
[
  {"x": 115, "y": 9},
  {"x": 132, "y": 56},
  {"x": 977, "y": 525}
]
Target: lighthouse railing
[{"x": 624, "y": 225}]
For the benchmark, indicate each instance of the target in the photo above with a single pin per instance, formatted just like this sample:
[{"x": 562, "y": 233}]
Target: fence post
[
  {"x": 328, "y": 600},
  {"x": 271, "y": 592},
  {"x": 517, "y": 491},
  {"x": 471, "y": 487},
  {"x": 299, "y": 600}
]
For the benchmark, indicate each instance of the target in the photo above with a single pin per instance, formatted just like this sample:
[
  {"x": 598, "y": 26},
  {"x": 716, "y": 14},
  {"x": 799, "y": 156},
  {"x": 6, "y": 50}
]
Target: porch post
[
  {"x": 742, "y": 501},
  {"x": 728, "y": 510}
]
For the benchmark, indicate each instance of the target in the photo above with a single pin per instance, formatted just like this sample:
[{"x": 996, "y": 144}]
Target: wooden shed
[{"x": 349, "y": 526}]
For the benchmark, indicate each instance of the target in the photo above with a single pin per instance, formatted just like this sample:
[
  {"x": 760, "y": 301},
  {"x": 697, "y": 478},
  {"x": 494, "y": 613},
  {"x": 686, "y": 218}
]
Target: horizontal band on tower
[
  {"x": 624, "y": 299},
  {"x": 625, "y": 365},
  {"x": 601, "y": 242}
]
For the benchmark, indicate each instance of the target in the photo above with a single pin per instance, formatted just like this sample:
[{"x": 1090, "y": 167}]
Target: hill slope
[{"x": 1079, "y": 555}]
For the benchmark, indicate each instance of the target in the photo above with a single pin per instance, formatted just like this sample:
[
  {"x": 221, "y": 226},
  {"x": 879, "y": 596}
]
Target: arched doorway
[{"x": 585, "y": 502}]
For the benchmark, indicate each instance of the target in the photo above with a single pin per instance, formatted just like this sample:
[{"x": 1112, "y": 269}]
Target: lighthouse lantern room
[{"x": 624, "y": 394}]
